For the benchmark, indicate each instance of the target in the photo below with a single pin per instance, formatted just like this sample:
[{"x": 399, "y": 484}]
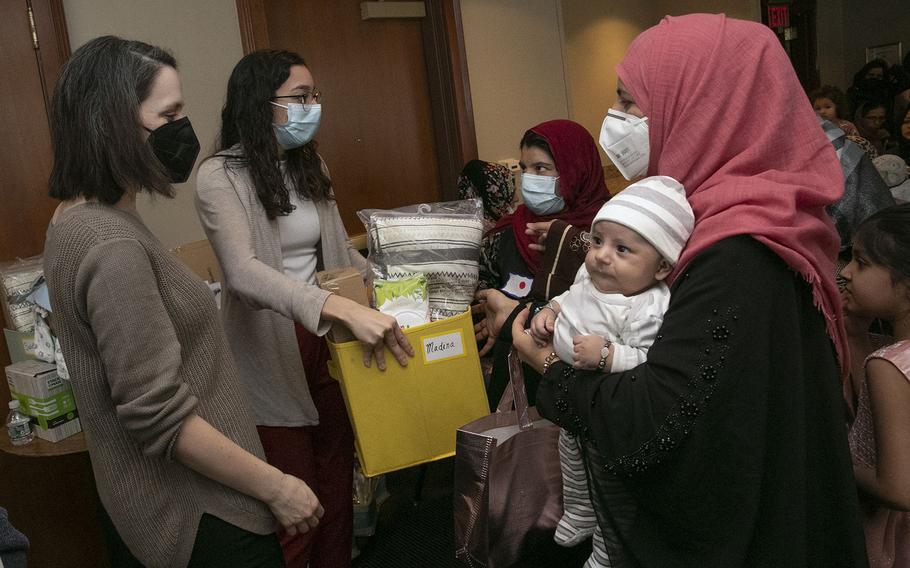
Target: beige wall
[
  {"x": 830, "y": 34},
  {"x": 742, "y": 9},
  {"x": 515, "y": 64},
  {"x": 204, "y": 36},
  {"x": 596, "y": 37}
]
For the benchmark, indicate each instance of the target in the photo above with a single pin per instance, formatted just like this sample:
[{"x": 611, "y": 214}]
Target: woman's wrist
[
  {"x": 551, "y": 358},
  {"x": 339, "y": 309},
  {"x": 271, "y": 485}
]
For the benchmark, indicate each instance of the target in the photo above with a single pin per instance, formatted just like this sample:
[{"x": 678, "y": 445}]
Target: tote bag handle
[{"x": 516, "y": 393}]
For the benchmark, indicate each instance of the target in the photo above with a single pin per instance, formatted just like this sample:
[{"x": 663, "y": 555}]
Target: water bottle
[{"x": 19, "y": 425}]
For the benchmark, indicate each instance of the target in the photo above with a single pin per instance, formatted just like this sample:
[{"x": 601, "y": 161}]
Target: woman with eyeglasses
[
  {"x": 267, "y": 204},
  {"x": 870, "y": 121}
]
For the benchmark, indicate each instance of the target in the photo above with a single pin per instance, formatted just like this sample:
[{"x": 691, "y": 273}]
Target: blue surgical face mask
[
  {"x": 303, "y": 121},
  {"x": 539, "y": 194}
]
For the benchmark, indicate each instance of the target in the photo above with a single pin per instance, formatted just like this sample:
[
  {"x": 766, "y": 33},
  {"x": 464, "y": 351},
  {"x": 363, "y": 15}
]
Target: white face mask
[
  {"x": 303, "y": 121},
  {"x": 624, "y": 138},
  {"x": 539, "y": 194}
]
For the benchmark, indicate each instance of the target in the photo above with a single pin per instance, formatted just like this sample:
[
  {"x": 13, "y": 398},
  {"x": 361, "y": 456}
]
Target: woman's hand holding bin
[{"x": 373, "y": 329}]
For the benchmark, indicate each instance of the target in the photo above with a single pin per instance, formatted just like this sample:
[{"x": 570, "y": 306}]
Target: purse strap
[
  {"x": 555, "y": 265},
  {"x": 516, "y": 393}
]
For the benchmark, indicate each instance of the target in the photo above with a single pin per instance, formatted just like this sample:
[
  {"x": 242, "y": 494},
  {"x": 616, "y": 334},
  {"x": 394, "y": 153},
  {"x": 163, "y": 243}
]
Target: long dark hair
[
  {"x": 885, "y": 239},
  {"x": 246, "y": 119},
  {"x": 875, "y": 63},
  {"x": 99, "y": 151}
]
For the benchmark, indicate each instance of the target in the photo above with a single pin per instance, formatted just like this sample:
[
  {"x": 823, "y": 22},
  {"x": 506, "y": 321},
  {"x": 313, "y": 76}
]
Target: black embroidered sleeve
[
  {"x": 640, "y": 417},
  {"x": 560, "y": 404}
]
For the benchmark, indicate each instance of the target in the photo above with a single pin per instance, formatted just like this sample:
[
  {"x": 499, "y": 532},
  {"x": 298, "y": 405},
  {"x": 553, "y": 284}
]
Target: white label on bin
[{"x": 442, "y": 347}]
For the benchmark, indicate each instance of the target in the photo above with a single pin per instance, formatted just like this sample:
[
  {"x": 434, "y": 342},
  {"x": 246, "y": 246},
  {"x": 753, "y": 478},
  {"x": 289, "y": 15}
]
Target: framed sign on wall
[{"x": 890, "y": 52}]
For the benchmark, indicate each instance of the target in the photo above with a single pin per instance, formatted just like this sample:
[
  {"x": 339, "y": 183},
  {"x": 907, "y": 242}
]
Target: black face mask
[
  {"x": 872, "y": 84},
  {"x": 176, "y": 147}
]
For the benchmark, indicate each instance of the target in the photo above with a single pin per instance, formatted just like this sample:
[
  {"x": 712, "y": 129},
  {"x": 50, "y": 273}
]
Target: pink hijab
[{"x": 729, "y": 119}]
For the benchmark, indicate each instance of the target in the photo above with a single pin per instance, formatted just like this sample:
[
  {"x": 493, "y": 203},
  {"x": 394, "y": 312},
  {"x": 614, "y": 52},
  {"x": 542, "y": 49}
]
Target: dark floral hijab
[{"x": 492, "y": 184}]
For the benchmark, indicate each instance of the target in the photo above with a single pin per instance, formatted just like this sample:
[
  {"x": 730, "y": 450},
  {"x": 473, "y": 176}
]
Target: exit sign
[{"x": 779, "y": 16}]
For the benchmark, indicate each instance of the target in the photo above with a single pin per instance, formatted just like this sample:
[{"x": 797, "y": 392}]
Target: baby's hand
[
  {"x": 544, "y": 323},
  {"x": 542, "y": 326},
  {"x": 586, "y": 351}
]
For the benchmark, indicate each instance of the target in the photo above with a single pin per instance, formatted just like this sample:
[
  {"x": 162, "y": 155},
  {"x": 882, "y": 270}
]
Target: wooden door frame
[
  {"x": 447, "y": 75},
  {"x": 54, "y": 43}
]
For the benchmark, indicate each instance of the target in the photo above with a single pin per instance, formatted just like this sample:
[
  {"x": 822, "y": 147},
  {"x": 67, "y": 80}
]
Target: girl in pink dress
[{"x": 878, "y": 286}]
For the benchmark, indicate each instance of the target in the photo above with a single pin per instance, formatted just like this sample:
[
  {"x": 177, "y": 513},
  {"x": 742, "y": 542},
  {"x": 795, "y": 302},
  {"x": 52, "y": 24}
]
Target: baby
[{"x": 610, "y": 316}]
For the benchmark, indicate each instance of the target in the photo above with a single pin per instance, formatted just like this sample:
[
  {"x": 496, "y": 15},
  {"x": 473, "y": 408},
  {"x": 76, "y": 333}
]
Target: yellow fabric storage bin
[{"x": 407, "y": 416}]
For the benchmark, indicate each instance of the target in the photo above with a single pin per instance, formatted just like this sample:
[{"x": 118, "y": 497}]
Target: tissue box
[
  {"x": 45, "y": 397},
  {"x": 347, "y": 283},
  {"x": 201, "y": 259}
]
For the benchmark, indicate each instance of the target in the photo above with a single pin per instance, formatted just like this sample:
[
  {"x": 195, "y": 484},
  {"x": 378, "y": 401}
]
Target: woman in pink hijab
[{"x": 728, "y": 447}]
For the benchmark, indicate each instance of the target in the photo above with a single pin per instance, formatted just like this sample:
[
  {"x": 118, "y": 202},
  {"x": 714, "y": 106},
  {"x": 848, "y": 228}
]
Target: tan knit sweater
[{"x": 142, "y": 340}]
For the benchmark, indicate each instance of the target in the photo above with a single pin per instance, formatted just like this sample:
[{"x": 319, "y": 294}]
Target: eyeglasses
[{"x": 304, "y": 99}]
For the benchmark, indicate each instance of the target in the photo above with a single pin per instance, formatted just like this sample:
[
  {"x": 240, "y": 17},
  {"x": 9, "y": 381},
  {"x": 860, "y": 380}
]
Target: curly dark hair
[
  {"x": 246, "y": 119},
  {"x": 836, "y": 96},
  {"x": 98, "y": 151},
  {"x": 885, "y": 238}
]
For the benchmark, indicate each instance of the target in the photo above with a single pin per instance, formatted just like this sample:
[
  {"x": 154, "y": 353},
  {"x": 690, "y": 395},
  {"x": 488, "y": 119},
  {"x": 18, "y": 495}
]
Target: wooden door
[
  {"x": 384, "y": 126},
  {"x": 799, "y": 38},
  {"x": 26, "y": 159},
  {"x": 51, "y": 500}
]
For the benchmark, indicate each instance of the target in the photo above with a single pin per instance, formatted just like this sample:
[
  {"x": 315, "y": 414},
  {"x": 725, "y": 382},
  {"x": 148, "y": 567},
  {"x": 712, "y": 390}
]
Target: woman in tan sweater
[{"x": 177, "y": 462}]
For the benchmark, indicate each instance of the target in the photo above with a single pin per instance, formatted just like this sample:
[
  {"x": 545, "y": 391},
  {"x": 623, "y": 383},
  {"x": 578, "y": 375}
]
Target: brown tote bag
[{"x": 508, "y": 487}]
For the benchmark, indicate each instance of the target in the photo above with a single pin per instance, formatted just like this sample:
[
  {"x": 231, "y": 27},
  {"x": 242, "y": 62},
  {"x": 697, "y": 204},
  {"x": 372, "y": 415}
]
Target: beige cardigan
[{"x": 259, "y": 302}]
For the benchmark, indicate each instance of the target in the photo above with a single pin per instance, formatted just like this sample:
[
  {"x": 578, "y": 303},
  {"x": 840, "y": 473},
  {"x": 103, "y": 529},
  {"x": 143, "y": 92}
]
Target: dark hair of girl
[
  {"x": 99, "y": 149},
  {"x": 532, "y": 139},
  {"x": 833, "y": 94},
  {"x": 246, "y": 119},
  {"x": 885, "y": 240}
]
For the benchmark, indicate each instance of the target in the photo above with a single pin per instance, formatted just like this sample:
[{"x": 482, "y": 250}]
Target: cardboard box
[
  {"x": 347, "y": 283},
  {"x": 45, "y": 397},
  {"x": 201, "y": 259},
  {"x": 405, "y": 416}
]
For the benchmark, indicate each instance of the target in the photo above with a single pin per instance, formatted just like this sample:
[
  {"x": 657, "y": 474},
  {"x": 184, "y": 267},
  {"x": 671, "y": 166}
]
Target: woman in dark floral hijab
[{"x": 492, "y": 184}]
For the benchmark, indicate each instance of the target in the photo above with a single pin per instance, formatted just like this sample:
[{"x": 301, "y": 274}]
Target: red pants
[{"x": 323, "y": 457}]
